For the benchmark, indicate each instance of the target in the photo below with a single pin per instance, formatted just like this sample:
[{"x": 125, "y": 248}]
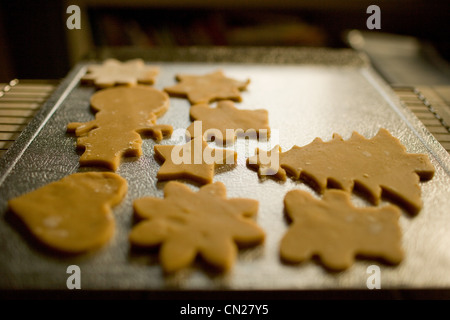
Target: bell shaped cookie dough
[{"x": 74, "y": 214}]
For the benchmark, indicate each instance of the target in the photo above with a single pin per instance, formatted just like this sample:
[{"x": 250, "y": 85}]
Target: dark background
[{"x": 34, "y": 42}]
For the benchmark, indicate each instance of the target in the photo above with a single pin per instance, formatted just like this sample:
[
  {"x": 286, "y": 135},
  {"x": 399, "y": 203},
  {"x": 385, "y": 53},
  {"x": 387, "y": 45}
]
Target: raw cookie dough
[
  {"x": 74, "y": 214},
  {"x": 377, "y": 166},
  {"x": 267, "y": 163},
  {"x": 194, "y": 160},
  {"x": 336, "y": 231},
  {"x": 207, "y": 88},
  {"x": 123, "y": 113},
  {"x": 225, "y": 121},
  {"x": 186, "y": 224},
  {"x": 113, "y": 72}
]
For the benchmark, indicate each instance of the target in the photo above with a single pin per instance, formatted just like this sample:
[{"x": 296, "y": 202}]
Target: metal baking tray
[{"x": 316, "y": 95}]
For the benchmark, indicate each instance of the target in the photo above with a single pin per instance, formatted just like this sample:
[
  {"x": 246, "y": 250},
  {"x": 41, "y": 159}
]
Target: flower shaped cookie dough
[
  {"x": 114, "y": 72},
  {"x": 186, "y": 224}
]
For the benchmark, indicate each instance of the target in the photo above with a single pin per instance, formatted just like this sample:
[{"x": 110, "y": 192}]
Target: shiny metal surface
[{"x": 304, "y": 101}]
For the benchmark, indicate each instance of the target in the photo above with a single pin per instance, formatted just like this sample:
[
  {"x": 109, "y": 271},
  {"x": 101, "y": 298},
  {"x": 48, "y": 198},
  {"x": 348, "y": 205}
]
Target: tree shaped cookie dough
[
  {"x": 74, "y": 214},
  {"x": 226, "y": 121},
  {"x": 207, "y": 88},
  {"x": 336, "y": 231},
  {"x": 193, "y": 160},
  {"x": 186, "y": 224},
  {"x": 123, "y": 113},
  {"x": 377, "y": 166},
  {"x": 113, "y": 72}
]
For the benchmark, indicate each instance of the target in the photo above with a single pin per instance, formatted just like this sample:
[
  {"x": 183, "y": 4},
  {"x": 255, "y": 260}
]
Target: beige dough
[
  {"x": 194, "y": 160},
  {"x": 207, "y": 88},
  {"x": 336, "y": 231},
  {"x": 229, "y": 121},
  {"x": 123, "y": 114},
  {"x": 74, "y": 214},
  {"x": 186, "y": 224},
  {"x": 377, "y": 166},
  {"x": 114, "y": 72}
]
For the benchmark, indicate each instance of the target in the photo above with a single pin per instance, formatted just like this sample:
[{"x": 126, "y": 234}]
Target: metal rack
[{"x": 19, "y": 101}]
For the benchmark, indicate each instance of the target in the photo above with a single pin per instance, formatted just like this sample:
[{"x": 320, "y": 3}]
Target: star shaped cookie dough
[
  {"x": 186, "y": 224},
  {"x": 194, "y": 160},
  {"x": 207, "y": 88},
  {"x": 113, "y": 72},
  {"x": 267, "y": 163}
]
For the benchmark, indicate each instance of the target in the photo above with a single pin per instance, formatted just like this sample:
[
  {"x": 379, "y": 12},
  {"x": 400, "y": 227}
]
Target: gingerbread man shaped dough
[{"x": 123, "y": 113}]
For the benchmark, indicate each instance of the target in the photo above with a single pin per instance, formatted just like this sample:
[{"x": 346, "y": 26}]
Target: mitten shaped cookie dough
[{"x": 74, "y": 214}]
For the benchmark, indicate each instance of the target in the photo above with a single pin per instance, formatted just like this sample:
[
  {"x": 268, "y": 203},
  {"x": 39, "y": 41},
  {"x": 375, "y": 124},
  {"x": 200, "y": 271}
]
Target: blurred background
[{"x": 36, "y": 43}]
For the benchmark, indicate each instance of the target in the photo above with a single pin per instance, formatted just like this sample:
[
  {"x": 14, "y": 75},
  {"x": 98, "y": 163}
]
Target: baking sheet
[{"x": 305, "y": 101}]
